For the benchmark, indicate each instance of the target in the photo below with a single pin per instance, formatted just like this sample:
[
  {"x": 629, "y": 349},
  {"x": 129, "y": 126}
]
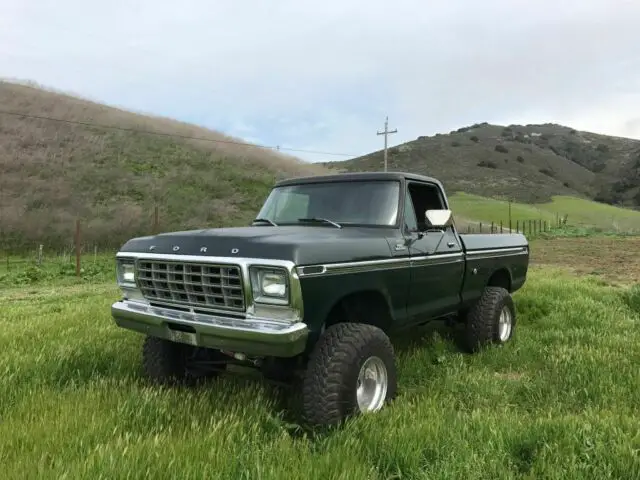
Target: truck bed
[{"x": 493, "y": 259}]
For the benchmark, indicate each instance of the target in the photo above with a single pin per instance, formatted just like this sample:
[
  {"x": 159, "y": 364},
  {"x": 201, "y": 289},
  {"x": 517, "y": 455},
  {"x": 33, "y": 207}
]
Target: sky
[{"x": 322, "y": 76}]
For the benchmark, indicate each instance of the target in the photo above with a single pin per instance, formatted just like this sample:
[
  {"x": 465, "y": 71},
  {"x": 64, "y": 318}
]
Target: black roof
[{"x": 351, "y": 176}]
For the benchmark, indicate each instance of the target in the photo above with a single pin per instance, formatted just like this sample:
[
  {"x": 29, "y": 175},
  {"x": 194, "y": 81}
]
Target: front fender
[{"x": 321, "y": 292}]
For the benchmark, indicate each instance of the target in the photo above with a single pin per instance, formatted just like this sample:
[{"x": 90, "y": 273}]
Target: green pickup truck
[{"x": 311, "y": 291}]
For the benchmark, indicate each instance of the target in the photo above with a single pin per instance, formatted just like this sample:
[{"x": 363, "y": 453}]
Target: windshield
[{"x": 356, "y": 203}]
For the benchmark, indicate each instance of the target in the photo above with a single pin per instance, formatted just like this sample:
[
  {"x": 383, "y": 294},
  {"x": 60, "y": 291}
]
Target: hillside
[
  {"x": 529, "y": 163},
  {"x": 53, "y": 172}
]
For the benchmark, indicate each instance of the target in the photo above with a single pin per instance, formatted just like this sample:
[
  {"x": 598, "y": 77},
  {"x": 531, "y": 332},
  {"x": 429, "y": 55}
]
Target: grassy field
[
  {"x": 580, "y": 212},
  {"x": 560, "y": 401}
]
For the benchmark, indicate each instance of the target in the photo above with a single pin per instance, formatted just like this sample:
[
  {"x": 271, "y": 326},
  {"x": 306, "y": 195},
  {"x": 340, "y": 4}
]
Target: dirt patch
[{"x": 615, "y": 260}]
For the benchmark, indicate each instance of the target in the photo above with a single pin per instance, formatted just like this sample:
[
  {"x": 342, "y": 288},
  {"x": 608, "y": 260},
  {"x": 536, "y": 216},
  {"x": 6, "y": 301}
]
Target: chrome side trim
[
  {"x": 437, "y": 260},
  {"x": 498, "y": 252},
  {"x": 405, "y": 262},
  {"x": 295, "y": 307},
  {"x": 382, "y": 264}
]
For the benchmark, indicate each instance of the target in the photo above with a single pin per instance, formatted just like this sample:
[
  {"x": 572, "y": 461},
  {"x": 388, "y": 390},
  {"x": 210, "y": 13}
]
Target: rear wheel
[
  {"x": 351, "y": 371},
  {"x": 491, "y": 320}
]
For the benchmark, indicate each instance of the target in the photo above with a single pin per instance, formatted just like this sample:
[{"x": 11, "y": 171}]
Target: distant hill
[
  {"x": 53, "y": 172},
  {"x": 528, "y": 163}
]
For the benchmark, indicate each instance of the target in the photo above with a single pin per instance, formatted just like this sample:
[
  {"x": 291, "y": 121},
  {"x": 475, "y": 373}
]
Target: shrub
[
  {"x": 487, "y": 164},
  {"x": 501, "y": 149},
  {"x": 632, "y": 298},
  {"x": 547, "y": 172},
  {"x": 520, "y": 158},
  {"x": 474, "y": 139},
  {"x": 455, "y": 143}
]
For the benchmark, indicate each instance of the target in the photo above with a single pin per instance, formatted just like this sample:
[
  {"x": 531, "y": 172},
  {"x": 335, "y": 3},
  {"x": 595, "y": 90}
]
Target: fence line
[{"x": 77, "y": 252}]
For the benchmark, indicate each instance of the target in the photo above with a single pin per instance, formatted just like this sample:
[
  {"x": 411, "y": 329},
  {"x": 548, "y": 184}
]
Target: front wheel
[
  {"x": 351, "y": 370},
  {"x": 172, "y": 363},
  {"x": 491, "y": 320}
]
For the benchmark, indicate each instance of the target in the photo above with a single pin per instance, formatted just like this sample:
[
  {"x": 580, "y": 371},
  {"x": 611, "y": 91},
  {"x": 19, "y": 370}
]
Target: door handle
[{"x": 451, "y": 244}]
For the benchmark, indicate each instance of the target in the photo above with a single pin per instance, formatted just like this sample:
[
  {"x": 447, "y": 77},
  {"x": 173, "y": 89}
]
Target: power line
[
  {"x": 386, "y": 134},
  {"x": 186, "y": 137}
]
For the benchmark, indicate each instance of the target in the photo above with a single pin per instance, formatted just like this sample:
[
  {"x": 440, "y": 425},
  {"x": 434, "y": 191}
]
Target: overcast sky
[{"x": 323, "y": 75}]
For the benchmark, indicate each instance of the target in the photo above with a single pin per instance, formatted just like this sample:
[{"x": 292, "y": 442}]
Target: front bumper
[{"x": 261, "y": 337}]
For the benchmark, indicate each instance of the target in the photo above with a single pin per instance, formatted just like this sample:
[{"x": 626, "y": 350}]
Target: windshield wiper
[
  {"x": 265, "y": 220},
  {"x": 320, "y": 220}
]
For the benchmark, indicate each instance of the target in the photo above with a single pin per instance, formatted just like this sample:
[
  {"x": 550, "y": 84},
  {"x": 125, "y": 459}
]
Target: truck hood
[{"x": 303, "y": 245}]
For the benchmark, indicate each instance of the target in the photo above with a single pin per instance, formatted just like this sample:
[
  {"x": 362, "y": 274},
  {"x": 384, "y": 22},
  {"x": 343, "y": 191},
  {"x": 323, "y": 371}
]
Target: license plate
[{"x": 183, "y": 337}]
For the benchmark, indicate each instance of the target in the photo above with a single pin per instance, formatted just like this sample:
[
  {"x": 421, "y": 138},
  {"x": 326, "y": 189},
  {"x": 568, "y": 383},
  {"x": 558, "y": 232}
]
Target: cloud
[{"x": 323, "y": 76}]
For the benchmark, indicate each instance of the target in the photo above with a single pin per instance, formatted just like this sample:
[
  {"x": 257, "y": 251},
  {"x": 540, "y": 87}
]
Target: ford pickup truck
[{"x": 331, "y": 267}]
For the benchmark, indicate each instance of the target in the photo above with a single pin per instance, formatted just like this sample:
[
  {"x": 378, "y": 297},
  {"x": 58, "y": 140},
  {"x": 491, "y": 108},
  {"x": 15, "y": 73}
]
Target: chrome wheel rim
[
  {"x": 372, "y": 385},
  {"x": 505, "y": 324}
]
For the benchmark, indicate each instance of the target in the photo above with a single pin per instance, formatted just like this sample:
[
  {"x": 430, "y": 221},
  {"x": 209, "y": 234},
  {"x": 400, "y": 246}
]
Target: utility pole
[{"x": 386, "y": 134}]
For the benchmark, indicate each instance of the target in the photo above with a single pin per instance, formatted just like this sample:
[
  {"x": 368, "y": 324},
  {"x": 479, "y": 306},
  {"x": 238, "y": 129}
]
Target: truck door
[{"x": 437, "y": 261}]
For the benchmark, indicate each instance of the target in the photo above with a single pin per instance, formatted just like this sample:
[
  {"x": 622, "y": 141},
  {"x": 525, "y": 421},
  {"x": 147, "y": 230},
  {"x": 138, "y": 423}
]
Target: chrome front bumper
[{"x": 262, "y": 337}]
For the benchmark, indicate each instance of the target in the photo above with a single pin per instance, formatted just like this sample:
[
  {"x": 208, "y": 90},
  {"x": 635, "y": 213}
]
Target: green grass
[
  {"x": 560, "y": 401},
  {"x": 580, "y": 212},
  {"x": 16, "y": 271}
]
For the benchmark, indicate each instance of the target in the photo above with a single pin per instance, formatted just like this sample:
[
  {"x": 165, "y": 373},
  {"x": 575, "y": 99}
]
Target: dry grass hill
[
  {"x": 53, "y": 172},
  {"x": 528, "y": 163}
]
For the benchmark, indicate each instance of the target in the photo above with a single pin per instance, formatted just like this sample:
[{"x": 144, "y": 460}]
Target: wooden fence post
[
  {"x": 492, "y": 227},
  {"x": 155, "y": 220},
  {"x": 77, "y": 241},
  {"x": 517, "y": 226},
  {"x": 500, "y": 226}
]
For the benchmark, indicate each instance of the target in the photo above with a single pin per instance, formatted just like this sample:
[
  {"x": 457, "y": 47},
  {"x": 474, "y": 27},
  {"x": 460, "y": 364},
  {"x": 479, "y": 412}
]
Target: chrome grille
[{"x": 191, "y": 284}]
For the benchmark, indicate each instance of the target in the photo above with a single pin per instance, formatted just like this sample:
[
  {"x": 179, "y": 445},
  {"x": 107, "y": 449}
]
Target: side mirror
[{"x": 438, "y": 218}]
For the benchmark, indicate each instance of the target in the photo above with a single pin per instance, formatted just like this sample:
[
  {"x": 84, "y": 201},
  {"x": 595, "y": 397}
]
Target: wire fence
[{"x": 79, "y": 256}]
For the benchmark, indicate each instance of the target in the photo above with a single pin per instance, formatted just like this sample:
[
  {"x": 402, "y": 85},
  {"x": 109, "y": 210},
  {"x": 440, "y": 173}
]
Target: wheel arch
[
  {"x": 501, "y": 278},
  {"x": 368, "y": 306}
]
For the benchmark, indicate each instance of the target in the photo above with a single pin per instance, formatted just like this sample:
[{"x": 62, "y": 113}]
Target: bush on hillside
[
  {"x": 501, "y": 149},
  {"x": 474, "y": 139},
  {"x": 487, "y": 164},
  {"x": 547, "y": 172},
  {"x": 520, "y": 158}
]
